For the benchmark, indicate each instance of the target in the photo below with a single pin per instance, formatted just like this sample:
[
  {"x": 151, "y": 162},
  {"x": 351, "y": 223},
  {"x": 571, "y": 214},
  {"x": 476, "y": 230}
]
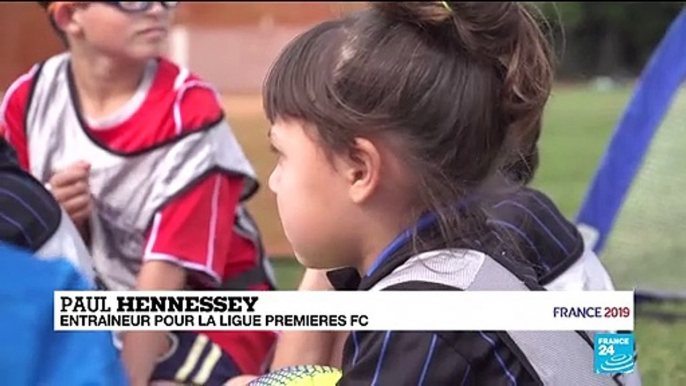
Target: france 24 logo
[{"x": 614, "y": 353}]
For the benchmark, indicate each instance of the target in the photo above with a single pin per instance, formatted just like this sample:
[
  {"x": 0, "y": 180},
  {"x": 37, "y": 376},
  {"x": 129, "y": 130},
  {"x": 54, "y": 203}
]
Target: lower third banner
[{"x": 331, "y": 311}]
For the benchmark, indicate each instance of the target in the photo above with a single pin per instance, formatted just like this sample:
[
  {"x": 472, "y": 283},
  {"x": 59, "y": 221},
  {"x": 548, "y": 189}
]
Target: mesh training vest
[
  {"x": 560, "y": 358},
  {"x": 127, "y": 189}
]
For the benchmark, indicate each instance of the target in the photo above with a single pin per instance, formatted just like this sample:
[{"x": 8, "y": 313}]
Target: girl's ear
[{"x": 363, "y": 169}]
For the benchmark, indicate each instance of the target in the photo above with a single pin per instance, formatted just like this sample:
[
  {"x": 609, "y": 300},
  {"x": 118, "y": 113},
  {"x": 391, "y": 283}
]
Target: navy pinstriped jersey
[
  {"x": 430, "y": 358},
  {"x": 29, "y": 215},
  {"x": 434, "y": 359},
  {"x": 526, "y": 234},
  {"x": 31, "y": 218},
  {"x": 540, "y": 231}
]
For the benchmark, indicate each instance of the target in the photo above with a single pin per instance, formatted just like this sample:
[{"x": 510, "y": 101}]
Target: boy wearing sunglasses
[{"x": 139, "y": 154}]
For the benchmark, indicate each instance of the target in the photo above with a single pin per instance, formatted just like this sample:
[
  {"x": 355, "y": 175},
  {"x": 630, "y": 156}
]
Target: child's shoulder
[
  {"x": 184, "y": 83},
  {"x": 195, "y": 102},
  {"x": 19, "y": 90}
]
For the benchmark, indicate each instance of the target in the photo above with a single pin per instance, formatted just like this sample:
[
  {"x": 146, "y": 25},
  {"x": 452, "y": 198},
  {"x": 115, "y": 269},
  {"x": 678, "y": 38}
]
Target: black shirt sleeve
[{"x": 401, "y": 358}]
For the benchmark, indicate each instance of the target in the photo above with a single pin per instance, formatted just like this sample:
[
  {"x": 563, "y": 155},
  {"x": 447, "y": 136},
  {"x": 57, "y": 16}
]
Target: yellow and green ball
[{"x": 300, "y": 376}]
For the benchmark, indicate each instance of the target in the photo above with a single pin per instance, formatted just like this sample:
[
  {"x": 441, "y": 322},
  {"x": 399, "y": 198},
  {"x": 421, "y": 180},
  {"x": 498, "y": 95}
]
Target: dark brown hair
[{"x": 461, "y": 85}]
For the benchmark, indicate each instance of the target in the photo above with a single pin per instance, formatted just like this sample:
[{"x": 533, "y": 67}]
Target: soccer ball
[{"x": 300, "y": 376}]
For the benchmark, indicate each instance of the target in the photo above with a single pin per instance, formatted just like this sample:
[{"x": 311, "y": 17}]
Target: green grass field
[
  {"x": 578, "y": 124},
  {"x": 577, "y": 128}
]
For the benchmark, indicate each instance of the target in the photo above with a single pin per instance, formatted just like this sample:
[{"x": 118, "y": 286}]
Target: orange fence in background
[
  {"x": 26, "y": 37},
  {"x": 232, "y": 14},
  {"x": 231, "y": 44}
]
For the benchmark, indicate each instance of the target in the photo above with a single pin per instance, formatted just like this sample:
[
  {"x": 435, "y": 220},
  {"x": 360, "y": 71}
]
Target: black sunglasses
[{"x": 141, "y": 6}]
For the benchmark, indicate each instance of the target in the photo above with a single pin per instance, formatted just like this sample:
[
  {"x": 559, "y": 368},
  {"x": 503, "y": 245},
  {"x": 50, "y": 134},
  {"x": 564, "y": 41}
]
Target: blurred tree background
[{"x": 606, "y": 38}]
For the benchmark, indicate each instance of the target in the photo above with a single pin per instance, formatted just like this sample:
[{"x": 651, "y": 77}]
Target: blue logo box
[{"x": 614, "y": 353}]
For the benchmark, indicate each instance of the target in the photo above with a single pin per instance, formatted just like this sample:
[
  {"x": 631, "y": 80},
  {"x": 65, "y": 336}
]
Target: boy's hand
[{"x": 71, "y": 189}]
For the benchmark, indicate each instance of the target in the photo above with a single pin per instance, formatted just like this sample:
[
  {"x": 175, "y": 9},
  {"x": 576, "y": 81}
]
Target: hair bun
[
  {"x": 505, "y": 34},
  {"x": 487, "y": 26},
  {"x": 481, "y": 27},
  {"x": 423, "y": 13}
]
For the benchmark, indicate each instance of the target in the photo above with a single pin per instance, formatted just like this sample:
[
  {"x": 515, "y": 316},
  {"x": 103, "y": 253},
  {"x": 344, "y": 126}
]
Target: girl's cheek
[{"x": 274, "y": 179}]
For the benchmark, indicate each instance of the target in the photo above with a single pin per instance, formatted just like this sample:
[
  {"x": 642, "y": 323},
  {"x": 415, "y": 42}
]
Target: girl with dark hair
[{"x": 391, "y": 126}]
